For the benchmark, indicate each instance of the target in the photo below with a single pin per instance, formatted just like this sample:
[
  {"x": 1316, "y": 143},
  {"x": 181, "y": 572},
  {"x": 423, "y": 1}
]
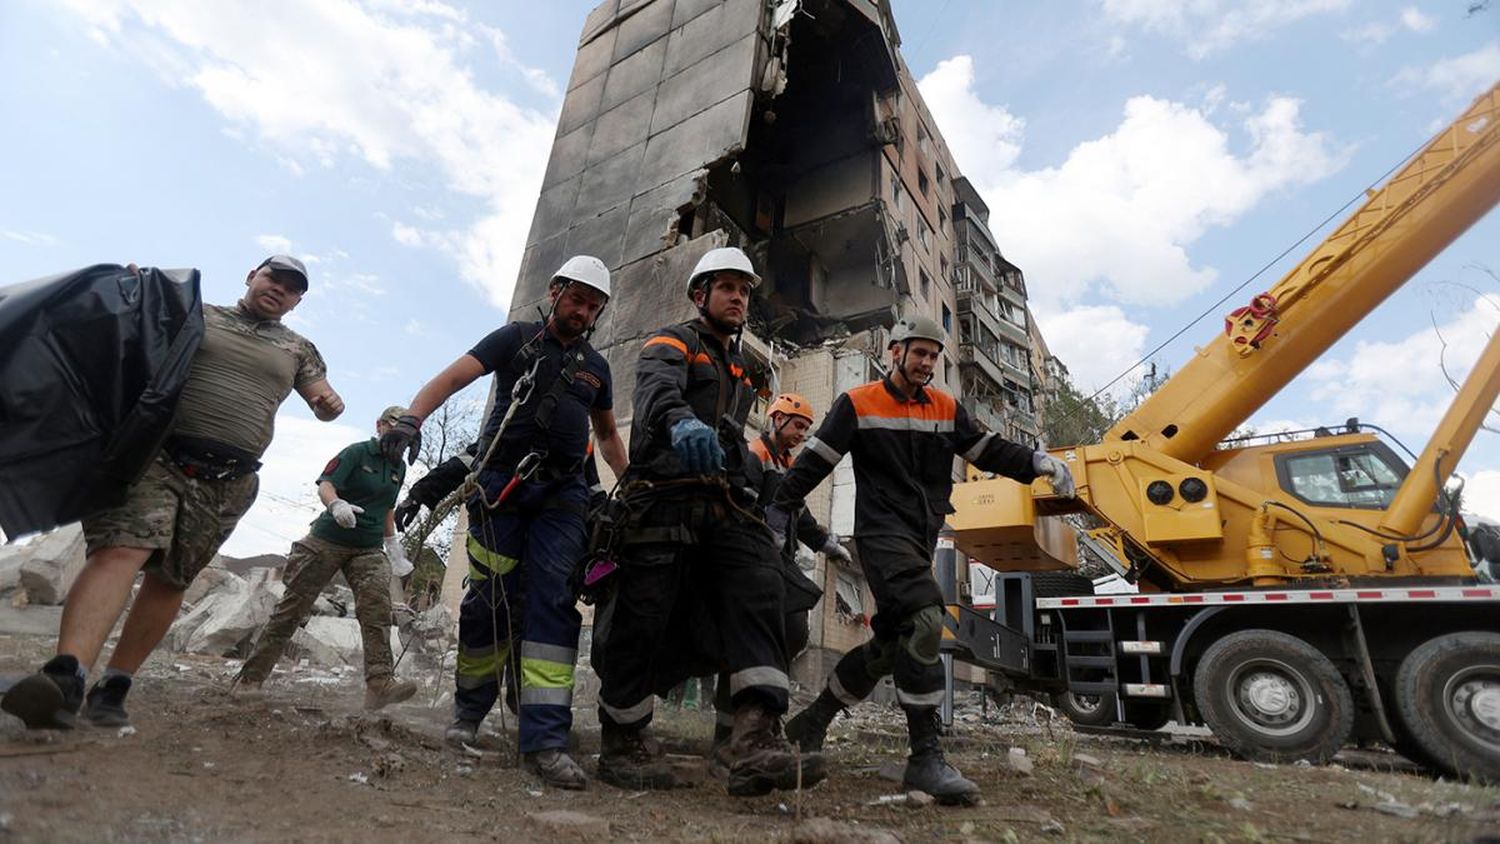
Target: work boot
[
  {"x": 633, "y": 760},
  {"x": 462, "y": 731},
  {"x": 556, "y": 768},
  {"x": 718, "y": 753},
  {"x": 808, "y": 729},
  {"x": 759, "y": 760},
  {"x": 384, "y": 691},
  {"x": 48, "y": 699},
  {"x": 105, "y": 704},
  {"x": 926, "y": 769}
]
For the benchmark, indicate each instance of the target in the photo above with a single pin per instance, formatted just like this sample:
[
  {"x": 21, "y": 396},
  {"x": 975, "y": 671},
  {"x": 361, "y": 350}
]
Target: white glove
[
  {"x": 1056, "y": 471},
  {"x": 835, "y": 549},
  {"x": 400, "y": 566},
  {"x": 343, "y": 512}
]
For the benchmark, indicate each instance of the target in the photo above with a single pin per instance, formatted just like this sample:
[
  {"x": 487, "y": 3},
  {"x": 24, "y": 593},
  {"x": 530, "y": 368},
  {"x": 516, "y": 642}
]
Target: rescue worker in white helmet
[
  {"x": 695, "y": 544},
  {"x": 903, "y": 436},
  {"x": 527, "y": 519}
]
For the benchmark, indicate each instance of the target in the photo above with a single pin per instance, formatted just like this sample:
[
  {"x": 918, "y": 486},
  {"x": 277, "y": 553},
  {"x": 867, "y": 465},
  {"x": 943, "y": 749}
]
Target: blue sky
[{"x": 1141, "y": 157}]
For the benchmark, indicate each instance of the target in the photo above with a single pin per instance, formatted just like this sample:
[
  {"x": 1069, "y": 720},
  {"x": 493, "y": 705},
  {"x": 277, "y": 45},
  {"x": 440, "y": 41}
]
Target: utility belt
[
  {"x": 619, "y": 523},
  {"x": 207, "y": 460}
]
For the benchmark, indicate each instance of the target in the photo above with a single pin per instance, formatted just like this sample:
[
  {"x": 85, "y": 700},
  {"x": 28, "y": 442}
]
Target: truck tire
[
  {"x": 1059, "y": 584},
  {"x": 1147, "y": 714},
  {"x": 1086, "y": 710},
  {"x": 1448, "y": 697},
  {"x": 1271, "y": 697}
]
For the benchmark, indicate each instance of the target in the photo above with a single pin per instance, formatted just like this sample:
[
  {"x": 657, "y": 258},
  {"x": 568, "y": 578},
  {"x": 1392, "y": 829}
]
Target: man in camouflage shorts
[
  {"x": 175, "y": 518},
  {"x": 358, "y": 489}
]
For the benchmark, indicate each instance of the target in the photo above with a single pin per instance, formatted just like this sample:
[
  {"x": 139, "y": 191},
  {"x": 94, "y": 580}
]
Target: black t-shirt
[{"x": 566, "y": 437}]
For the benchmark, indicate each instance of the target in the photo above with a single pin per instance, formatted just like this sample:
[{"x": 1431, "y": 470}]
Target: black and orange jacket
[
  {"x": 684, "y": 372},
  {"x": 774, "y": 464},
  {"x": 903, "y": 450}
]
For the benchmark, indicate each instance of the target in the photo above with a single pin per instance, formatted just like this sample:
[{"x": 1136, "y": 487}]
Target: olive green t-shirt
[
  {"x": 362, "y": 476},
  {"x": 244, "y": 369}
]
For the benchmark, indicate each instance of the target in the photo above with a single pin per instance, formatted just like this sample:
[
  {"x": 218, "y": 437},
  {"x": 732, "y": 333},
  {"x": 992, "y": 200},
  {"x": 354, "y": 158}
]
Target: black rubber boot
[
  {"x": 926, "y": 769},
  {"x": 105, "y": 704},
  {"x": 759, "y": 760},
  {"x": 808, "y": 729},
  {"x": 633, "y": 760},
  {"x": 48, "y": 699}
]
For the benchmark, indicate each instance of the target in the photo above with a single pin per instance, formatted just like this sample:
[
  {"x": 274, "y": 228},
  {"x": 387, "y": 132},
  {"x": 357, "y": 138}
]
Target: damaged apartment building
[{"x": 794, "y": 131}]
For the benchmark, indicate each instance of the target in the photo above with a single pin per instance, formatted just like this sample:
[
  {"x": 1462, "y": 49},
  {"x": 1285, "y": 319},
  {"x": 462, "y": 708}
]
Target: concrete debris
[
  {"x": 1053, "y": 827},
  {"x": 1087, "y": 760},
  {"x": 225, "y": 620},
  {"x": 1016, "y": 760},
  {"x": 569, "y": 825},
  {"x": 212, "y": 579},
  {"x": 911, "y": 800},
  {"x": 1241, "y": 804},
  {"x": 46, "y": 567},
  {"x": 919, "y": 799},
  {"x": 328, "y": 642},
  {"x": 359, "y": 778},
  {"x": 828, "y": 831},
  {"x": 1397, "y": 809}
]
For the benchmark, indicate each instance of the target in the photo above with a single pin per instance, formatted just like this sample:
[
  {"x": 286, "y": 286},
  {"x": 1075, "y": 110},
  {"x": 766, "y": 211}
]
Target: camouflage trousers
[
  {"x": 182, "y": 520},
  {"x": 311, "y": 565}
]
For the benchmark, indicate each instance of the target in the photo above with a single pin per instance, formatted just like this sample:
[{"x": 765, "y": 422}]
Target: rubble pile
[{"x": 42, "y": 570}]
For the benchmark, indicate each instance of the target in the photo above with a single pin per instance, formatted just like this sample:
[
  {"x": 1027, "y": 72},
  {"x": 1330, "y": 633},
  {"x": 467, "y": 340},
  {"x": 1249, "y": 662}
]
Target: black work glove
[
  {"x": 405, "y": 435},
  {"x": 405, "y": 513}
]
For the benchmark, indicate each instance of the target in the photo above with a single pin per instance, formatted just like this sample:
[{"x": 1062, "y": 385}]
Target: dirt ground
[{"x": 306, "y": 764}]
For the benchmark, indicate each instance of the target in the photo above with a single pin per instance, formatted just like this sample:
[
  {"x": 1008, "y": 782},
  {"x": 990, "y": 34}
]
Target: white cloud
[
  {"x": 1482, "y": 494},
  {"x": 1457, "y": 79},
  {"x": 1118, "y": 215},
  {"x": 274, "y": 243},
  {"x": 288, "y": 498},
  {"x": 1095, "y": 342},
  {"x": 1360, "y": 384},
  {"x": 1209, "y": 26},
  {"x": 390, "y": 84},
  {"x": 29, "y": 238},
  {"x": 1371, "y": 34},
  {"x": 1416, "y": 20}
]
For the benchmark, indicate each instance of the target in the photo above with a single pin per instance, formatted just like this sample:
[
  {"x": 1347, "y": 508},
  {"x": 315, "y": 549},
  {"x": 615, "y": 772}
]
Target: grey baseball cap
[{"x": 286, "y": 264}]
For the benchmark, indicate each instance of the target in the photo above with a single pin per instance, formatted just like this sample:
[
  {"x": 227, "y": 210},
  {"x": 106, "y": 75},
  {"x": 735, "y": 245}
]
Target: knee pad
[
  {"x": 879, "y": 657},
  {"x": 922, "y": 634}
]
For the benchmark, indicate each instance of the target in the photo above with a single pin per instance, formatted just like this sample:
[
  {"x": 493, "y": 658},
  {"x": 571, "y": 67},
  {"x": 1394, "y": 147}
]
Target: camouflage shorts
[{"x": 183, "y": 521}]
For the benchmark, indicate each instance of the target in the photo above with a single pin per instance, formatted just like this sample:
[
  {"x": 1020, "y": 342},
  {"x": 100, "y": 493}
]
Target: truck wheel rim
[
  {"x": 1086, "y": 703},
  {"x": 1271, "y": 697},
  {"x": 1472, "y": 697}
]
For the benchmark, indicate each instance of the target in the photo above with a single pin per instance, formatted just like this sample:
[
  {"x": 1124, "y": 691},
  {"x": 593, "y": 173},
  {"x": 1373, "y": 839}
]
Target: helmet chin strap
[{"x": 905, "y": 374}]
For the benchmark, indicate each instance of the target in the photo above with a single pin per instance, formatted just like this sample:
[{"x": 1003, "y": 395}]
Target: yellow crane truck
[{"x": 1294, "y": 593}]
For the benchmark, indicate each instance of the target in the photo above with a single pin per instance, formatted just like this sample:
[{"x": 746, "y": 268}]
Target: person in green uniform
[{"x": 358, "y": 489}]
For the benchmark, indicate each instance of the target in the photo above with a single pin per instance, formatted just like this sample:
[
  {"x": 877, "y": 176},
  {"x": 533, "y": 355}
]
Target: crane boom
[{"x": 1444, "y": 190}]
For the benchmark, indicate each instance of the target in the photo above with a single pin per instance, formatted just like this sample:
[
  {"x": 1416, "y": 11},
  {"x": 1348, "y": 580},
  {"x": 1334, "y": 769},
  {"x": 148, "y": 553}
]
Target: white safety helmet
[
  {"x": 586, "y": 270},
  {"x": 917, "y": 327},
  {"x": 723, "y": 258}
]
